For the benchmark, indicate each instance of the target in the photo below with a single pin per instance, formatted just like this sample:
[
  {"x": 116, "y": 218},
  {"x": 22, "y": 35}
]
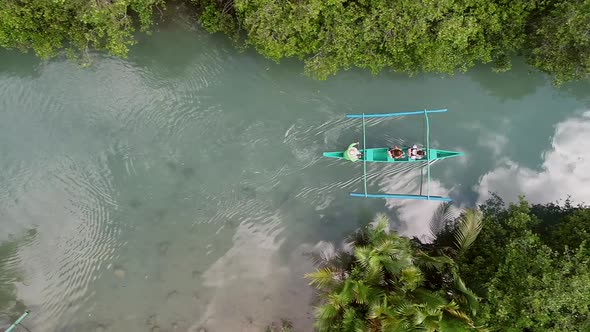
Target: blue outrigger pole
[
  {"x": 18, "y": 321},
  {"x": 427, "y": 154},
  {"x": 387, "y": 115},
  {"x": 428, "y": 197},
  {"x": 364, "y": 159}
]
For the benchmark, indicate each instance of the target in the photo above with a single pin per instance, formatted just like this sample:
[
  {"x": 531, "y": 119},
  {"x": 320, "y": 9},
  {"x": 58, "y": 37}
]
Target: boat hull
[{"x": 380, "y": 155}]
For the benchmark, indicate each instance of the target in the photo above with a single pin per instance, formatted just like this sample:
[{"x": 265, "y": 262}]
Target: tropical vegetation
[
  {"x": 382, "y": 281},
  {"x": 531, "y": 265},
  {"x": 500, "y": 267},
  {"x": 406, "y": 36},
  {"x": 76, "y": 26}
]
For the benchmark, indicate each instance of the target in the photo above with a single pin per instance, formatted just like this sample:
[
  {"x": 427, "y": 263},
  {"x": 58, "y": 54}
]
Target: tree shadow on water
[
  {"x": 13, "y": 62},
  {"x": 520, "y": 81},
  {"x": 580, "y": 90},
  {"x": 179, "y": 47},
  {"x": 10, "y": 306},
  {"x": 334, "y": 224}
]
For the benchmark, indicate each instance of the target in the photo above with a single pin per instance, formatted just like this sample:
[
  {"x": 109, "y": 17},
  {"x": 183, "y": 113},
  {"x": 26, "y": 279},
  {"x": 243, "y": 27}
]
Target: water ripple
[{"x": 76, "y": 235}]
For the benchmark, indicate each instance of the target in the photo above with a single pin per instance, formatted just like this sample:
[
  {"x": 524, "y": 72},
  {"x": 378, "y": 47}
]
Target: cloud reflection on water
[
  {"x": 562, "y": 173},
  {"x": 252, "y": 286},
  {"x": 414, "y": 214}
]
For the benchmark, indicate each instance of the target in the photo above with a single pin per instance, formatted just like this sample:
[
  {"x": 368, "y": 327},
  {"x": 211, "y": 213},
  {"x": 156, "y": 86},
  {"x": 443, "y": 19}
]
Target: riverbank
[{"x": 329, "y": 37}]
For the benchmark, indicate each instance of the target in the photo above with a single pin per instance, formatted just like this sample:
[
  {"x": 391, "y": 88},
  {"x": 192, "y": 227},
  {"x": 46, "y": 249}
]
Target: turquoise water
[{"x": 179, "y": 189}]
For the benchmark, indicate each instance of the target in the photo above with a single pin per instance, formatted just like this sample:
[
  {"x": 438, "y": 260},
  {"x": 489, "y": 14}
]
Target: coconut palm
[
  {"x": 378, "y": 286},
  {"x": 454, "y": 235},
  {"x": 453, "y": 232}
]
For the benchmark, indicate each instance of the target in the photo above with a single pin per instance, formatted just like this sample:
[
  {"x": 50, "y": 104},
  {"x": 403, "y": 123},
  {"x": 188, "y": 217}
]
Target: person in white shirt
[{"x": 415, "y": 153}]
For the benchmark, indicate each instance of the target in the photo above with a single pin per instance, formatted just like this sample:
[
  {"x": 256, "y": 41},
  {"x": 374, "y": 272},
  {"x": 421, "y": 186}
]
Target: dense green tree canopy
[
  {"x": 412, "y": 36},
  {"x": 531, "y": 266},
  {"x": 404, "y": 35},
  {"x": 48, "y": 26},
  {"x": 559, "y": 41},
  {"x": 409, "y": 36}
]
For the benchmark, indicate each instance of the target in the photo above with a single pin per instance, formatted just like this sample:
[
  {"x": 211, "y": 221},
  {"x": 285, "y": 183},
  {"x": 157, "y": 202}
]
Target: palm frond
[
  {"x": 376, "y": 310},
  {"x": 324, "y": 325},
  {"x": 374, "y": 276},
  {"x": 431, "y": 324},
  {"x": 394, "y": 265},
  {"x": 360, "y": 325},
  {"x": 459, "y": 314},
  {"x": 389, "y": 245},
  {"x": 375, "y": 267},
  {"x": 470, "y": 296},
  {"x": 419, "y": 315},
  {"x": 381, "y": 223},
  {"x": 380, "y": 228},
  {"x": 345, "y": 296},
  {"x": 404, "y": 309},
  {"x": 411, "y": 277},
  {"x": 361, "y": 292},
  {"x": 391, "y": 321},
  {"x": 322, "y": 278},
  {"x": 441, "y": 217},
  {"x": 362, "y": 255},
  {"x": 349, "y": 319},
  {"x": 430, "y": 299},
  {"x": 376, "y": 295},
  {"x": 468, "y": 229},
  {"x": 428, "y": 262},
  {"x": 326, "y": 312}
]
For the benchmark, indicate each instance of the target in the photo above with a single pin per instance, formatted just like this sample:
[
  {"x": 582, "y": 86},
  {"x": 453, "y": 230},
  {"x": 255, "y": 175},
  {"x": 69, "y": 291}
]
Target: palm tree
[
  {"x": 452, "y": 236},
  {"x": 445, "y": 227},
  {"x": 378, "y": 286}
]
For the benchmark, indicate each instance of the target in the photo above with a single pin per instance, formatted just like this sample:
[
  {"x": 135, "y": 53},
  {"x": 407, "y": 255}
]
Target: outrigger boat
[{"x": 380, "y": 155}]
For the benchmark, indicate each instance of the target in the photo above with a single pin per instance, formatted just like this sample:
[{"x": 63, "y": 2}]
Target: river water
[{"x": 181, "y": 188}]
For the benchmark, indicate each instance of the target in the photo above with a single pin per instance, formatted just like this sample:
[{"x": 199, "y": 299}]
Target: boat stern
[{"x": 337, "y": 154}]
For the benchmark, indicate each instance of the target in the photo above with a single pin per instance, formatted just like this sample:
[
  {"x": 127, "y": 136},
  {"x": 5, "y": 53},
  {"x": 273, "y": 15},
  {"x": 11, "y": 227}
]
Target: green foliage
[
  {"x": 559, "y": 42},
  {"x": 468, "y": 229},
  {"x": 48, "y": 26},
  {"x": 573, "y": 229},
  {"x": 500, "y": 227},
  {"x": 536, "y": 289},
  {"x": 217, "y": 16},
  {"x": 412, "y": 36},
  {"x": 409, "y": 36},
  {"x": 380, "y": 286},
  {"x": 531, "y": 265}
]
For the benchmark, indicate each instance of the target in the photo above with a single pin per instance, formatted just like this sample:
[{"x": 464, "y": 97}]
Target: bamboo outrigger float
[{"x": 381, "y": 155}]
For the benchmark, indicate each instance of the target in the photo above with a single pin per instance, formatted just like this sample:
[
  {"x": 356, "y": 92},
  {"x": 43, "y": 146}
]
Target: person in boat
[
  {"x": 395, "y": 152},
  {"x": 352, "y": 153},
  {"x": 415, "y": 153}
]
